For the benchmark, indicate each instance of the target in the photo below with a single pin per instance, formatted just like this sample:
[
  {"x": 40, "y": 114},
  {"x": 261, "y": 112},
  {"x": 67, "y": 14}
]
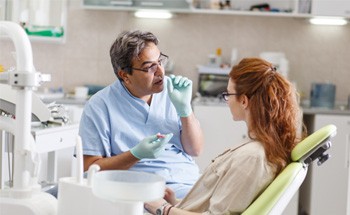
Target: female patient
[{"x": 267, "y": 102}]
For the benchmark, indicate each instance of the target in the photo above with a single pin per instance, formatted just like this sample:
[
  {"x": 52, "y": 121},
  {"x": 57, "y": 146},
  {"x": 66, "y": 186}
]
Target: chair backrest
[{"x": 278, "y": 194}]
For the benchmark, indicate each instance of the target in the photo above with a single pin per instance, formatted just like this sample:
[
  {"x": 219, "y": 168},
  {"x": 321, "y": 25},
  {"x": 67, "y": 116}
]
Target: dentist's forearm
[
  {"x": 191, "y": 136},
  {"x": 118, "y": 162}
]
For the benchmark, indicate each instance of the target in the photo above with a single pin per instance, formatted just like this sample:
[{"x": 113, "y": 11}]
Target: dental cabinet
[
  {"x": 58, "y": 143},
  {"x": 290, "y": 8},
  {"x": 184, "y": 6},
  {"x": 331, "y": 7},
  {"x": 143, "y": 4},
  {"x": 55, "y": 145},
  {"x": 327, "y": 189},
  {"x": 43, "y": 20}
]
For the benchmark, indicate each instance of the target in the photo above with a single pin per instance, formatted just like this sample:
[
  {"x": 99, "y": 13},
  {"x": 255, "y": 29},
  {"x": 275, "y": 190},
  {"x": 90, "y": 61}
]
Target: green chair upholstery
[{"x": 278, "y": 194}]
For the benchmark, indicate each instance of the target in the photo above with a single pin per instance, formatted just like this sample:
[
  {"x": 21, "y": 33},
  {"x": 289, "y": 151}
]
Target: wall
[{"x": 315, "y": 54}]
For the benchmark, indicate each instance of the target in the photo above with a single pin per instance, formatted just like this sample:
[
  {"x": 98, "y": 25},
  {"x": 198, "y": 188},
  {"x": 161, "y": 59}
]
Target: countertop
[
  {"x": 61, "y": 98},
  {"x": 66, "y": 101},
  {"x": 213, "y": 101},
  {"x": 338, "y": 111}
]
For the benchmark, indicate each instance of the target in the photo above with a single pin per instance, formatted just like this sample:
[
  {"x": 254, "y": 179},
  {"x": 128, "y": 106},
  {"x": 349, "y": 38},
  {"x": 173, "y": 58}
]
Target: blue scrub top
[{"x": 114, "y": 121}]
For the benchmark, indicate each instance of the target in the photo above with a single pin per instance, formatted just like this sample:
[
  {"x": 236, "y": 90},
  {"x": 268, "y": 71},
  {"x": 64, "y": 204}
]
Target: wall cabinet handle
[
  {"x": 121, "y": 3},
  {"x": 347, "y": 160},
  {"x": 152, "y": 4}
]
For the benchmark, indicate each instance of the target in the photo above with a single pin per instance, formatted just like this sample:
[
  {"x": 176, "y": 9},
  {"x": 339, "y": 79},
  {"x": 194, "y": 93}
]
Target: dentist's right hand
[{"x": 151, "y": 147}]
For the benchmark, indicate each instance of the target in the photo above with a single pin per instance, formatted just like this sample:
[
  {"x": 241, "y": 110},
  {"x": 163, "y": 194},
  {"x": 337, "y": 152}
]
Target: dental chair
[{"x": 278, "y": 194}]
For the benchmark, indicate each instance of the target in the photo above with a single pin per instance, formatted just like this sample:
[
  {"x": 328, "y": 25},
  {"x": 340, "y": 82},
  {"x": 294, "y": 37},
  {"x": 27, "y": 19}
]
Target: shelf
[
  {"x": 202, "y": 11},
  {"x": 213, "y": 70},
  {"x": 249, "y": 13},
  {"x": 56, "y": 40},
  {"x": 210, "y": 11}
]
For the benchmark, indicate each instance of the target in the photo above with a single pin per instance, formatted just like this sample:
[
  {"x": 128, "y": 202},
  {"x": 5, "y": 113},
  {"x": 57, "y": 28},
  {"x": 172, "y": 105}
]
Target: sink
[{"x": 128, "y": 186}]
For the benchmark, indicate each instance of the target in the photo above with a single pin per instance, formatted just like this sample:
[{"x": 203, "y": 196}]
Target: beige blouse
[{"x": 231, "y": 182}]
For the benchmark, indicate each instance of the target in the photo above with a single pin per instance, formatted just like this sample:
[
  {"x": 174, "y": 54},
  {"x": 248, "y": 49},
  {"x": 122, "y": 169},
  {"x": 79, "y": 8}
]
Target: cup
[{"x": 81, "y": 92}]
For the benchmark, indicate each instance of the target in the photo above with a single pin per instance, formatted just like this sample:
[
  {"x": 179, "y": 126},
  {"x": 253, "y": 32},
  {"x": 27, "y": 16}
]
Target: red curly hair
[{"x": 274, "y": 110}]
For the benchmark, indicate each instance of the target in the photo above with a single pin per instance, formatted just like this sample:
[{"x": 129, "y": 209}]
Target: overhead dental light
[
  {"x": 155, "y": 14},
  {"x": 328, "y": 21}
]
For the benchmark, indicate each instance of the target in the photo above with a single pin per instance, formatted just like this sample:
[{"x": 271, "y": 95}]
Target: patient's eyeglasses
[
  {"x": 225, "y": 95},
  {"x": 162, "y": 61}
]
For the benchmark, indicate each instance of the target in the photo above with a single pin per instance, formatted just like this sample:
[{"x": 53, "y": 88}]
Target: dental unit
[
  {"x": 24, "y": 197},
  {"x": 106, "y": 192}
]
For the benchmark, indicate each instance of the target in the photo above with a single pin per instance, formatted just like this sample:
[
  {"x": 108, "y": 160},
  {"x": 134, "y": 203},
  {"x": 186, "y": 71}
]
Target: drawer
[{"x": 52, "y": 139}]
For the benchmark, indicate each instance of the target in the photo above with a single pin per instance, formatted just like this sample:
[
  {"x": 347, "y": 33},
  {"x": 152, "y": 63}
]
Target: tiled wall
[{"x": 315, "y": 54}]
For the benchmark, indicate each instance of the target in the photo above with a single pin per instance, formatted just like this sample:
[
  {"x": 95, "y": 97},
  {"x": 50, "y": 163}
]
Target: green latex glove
[
  {"x": 151, "y": 147},
  {"x": 180, "y": 93}
]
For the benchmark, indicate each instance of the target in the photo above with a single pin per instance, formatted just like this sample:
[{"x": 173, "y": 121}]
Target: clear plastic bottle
[{"x": 218, "y": 57}]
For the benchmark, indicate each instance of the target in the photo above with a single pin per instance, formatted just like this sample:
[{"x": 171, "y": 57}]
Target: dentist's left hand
[
  {"x": 151, "y": 147},
  {"x": 180, "y": 93}
]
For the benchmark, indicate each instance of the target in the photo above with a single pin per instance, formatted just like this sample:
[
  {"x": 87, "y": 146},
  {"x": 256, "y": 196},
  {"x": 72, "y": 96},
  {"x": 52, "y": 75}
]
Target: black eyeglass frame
[
  {"x": 225, "y": 95},
  {"x": 159, "y": 63}
]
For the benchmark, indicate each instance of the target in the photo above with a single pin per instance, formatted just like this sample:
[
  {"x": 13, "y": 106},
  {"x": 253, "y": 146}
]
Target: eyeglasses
[
  {"x": 162, "y": 61},
  {"x": 225, "y": 95}
]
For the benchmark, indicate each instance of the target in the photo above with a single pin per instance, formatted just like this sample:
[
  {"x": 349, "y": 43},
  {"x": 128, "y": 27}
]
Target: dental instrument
[{"x": 107, "y": 192}]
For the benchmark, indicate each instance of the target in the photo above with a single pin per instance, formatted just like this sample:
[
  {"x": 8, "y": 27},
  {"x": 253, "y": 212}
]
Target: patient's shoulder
[{"x": 251, "y": 148}]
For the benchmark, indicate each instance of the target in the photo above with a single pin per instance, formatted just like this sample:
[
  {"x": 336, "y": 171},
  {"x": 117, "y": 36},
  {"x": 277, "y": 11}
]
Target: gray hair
[{"x": 127, "y": 46}]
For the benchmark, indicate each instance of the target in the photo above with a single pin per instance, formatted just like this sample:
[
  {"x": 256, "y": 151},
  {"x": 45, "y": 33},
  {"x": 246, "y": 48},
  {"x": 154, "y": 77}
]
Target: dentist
[{"x": 143, "y": 121}]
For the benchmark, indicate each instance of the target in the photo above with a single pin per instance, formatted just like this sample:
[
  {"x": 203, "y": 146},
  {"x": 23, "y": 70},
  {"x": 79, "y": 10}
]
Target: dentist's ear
[{"x": 123, "y": 75}]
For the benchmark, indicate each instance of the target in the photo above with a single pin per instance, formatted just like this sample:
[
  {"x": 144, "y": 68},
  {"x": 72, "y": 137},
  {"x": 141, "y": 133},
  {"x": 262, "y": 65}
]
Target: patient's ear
[{"x": 244, "y": 101}]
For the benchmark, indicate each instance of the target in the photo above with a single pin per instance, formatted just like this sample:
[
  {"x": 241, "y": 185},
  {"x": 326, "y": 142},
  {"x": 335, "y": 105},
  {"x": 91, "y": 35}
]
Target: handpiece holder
[{"x": 40, "y": 111}]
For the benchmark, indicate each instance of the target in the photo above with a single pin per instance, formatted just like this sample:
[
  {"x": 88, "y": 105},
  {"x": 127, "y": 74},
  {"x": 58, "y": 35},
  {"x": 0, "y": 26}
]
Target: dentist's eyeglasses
[
  {"x": 162, "y": 61},
  {"x": 225, "y": 95}
]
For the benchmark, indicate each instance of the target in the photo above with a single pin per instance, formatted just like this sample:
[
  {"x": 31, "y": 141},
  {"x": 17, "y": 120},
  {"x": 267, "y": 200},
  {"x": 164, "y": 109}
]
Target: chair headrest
[{"x": 314, "y": 145}]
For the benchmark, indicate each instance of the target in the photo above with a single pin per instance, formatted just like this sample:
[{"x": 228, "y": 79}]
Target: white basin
[{"x": 124, "y": 185}]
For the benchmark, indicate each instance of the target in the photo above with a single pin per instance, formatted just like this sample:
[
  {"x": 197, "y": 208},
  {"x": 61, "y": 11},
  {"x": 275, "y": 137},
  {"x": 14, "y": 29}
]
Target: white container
[
  {"x": 322, "y": 95},
  {"x": 81, "y": 92}
]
